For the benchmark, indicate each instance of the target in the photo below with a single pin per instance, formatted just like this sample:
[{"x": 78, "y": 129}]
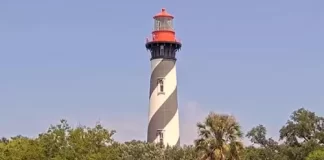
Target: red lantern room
[
  {"x": 163, "y": 43},
  {"x": 163, "y": 28}
]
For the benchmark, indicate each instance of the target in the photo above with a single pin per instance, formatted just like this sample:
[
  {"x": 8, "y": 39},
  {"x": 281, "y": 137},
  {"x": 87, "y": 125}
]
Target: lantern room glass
[{"x": 163, "y": 23}]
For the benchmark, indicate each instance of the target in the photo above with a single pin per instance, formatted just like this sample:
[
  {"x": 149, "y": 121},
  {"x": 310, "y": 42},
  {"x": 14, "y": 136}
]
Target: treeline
[{"x": 219, "y": 138}]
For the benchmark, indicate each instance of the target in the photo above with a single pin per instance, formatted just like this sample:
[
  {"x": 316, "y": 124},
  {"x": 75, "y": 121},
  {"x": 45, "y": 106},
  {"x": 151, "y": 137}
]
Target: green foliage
[
  {"x": 181, "y": 153},
  {"x": 302, "y": 134},
  {"x": 140, "y": 150},
  {"x": 21, "y": 148},
  {"x": 267, "y": 147},
  {"x": 134, "y": 150},
  {"x": 219, "y": 138},
  {"x": 316, "y": 155}
]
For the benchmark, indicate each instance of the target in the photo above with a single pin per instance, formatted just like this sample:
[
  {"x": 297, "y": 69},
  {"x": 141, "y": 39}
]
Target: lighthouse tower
[{"x": 163, "y": 124}]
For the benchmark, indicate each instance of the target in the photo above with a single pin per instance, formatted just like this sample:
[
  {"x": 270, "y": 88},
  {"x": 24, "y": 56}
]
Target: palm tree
[{"x": 219, "y": 138}]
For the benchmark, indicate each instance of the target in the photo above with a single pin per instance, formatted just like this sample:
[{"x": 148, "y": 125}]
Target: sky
[{"x": 85, "y": 61}]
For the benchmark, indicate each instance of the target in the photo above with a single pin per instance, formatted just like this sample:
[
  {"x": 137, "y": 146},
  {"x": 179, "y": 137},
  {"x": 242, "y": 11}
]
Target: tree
[
  {"x": 302, "y": 134},
  {"x": 316, "y": 155},
  {"x": 147, "y": 151},
  {"x": 268, "y": 149},
  {"x": 54, "y": 141},
  {"x": 20, "y": 148},
  {"x": 180, "y": 153},
  {"x": 219, "y": 138},
  {"x": 303, "y": 126},
  {"x": 141, "y": 150},
  {"x": 82, "y": 143}
]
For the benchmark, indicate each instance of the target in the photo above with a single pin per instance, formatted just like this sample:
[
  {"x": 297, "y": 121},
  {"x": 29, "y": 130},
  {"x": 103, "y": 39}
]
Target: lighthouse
[{"x": 163, "y": 124}]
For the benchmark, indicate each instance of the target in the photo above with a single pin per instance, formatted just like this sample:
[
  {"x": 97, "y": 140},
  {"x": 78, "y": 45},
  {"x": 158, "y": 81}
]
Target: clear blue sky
[{"x": 85, "y": 61}]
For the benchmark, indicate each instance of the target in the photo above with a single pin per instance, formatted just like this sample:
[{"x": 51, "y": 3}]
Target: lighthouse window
[
  {"x": 160, "y": 85},
  {"x": 163, "y": 23},
  {"x": 160, "y": 135}
]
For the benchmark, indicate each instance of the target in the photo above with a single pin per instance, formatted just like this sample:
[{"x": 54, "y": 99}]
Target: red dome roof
[{"x": 163, "y": 13}]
